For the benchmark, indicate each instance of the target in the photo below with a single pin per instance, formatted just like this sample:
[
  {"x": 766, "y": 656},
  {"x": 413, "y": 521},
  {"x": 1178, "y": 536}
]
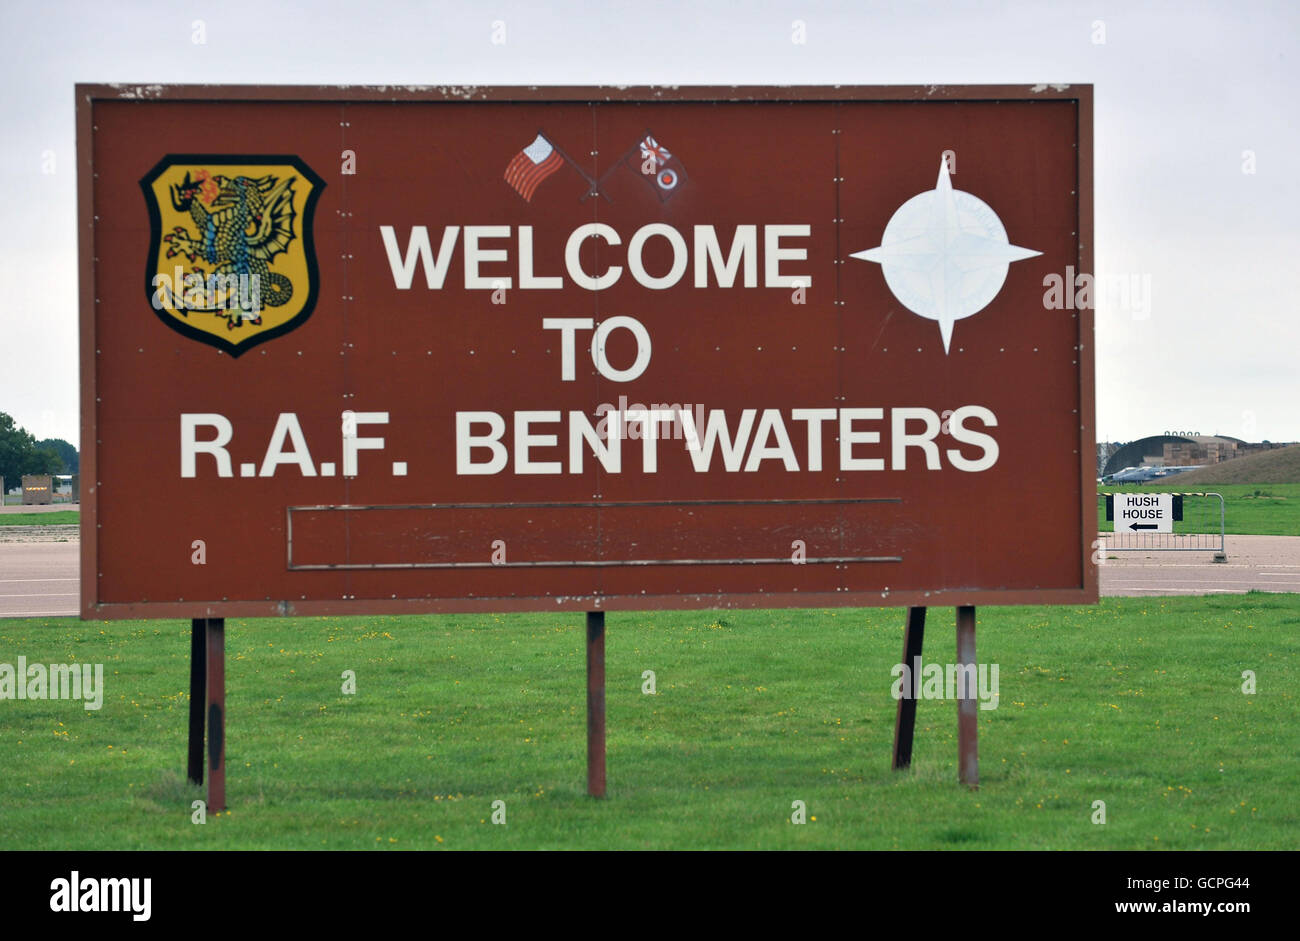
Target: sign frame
[{"x": 87, "y": 95}]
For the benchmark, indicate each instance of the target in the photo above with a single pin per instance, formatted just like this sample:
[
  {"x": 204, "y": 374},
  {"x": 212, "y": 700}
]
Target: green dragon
[{"x": 243, "y": 223}]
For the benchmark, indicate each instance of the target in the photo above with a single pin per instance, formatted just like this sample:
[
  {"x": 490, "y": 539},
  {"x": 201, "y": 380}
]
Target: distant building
[
  {"x": 38, "y": 489},
  {"x": 1182, "y": 451},
  {"x": 1202, "y": 450},
  {"x": 1212, "y": 450}
]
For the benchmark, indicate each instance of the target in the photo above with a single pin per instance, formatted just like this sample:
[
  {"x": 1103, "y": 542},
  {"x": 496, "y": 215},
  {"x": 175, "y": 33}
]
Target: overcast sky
[{"x": 1188, "y": 97}]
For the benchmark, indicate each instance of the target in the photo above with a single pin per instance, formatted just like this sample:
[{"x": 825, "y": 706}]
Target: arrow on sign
[{"x": 1144, "y": 526}]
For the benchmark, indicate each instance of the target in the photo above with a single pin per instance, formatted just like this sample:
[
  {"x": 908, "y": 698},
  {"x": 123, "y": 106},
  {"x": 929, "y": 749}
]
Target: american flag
[{"x": 532, "y": 165}]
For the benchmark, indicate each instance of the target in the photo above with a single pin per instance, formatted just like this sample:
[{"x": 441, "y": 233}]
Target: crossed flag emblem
[{"x": 542, "y": 159}]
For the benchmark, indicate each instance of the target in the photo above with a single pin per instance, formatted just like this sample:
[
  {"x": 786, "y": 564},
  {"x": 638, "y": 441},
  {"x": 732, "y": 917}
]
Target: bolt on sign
[{"x": 473, "y": 349}]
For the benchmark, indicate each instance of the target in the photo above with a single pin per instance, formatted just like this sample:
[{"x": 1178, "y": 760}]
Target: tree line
[{"x": 21, "y": 453}]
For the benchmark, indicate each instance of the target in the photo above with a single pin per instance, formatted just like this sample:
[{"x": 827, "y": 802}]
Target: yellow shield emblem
[{"x": 231, "y": 258}]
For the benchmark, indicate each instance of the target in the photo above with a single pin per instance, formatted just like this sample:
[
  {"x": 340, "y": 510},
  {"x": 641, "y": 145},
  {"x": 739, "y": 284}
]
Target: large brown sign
[{"x": 401, "y": 350}]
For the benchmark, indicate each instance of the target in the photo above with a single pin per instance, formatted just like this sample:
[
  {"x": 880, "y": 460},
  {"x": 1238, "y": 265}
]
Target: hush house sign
[{"x": 453, "y": 349}]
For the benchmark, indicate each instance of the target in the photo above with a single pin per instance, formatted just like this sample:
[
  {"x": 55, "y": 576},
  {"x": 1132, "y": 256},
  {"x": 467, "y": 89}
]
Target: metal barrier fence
[{"x": 1197, "y": 525}]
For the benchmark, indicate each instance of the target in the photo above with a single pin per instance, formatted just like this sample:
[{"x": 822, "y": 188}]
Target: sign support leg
[
  {"x": 596, "y": 703},
  {"x": 968, "y": 762},
  {"x": 905, "y": 723},
  {"x": 198, "y": 696},
  {"x": 216, "y": 663}
]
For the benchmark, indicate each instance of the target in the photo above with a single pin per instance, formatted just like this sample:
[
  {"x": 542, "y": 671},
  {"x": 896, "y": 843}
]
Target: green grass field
[
  {"x": 49, "y": 518},
  {"x": 1137, "y": 703},
  {"x": 1249, "y": 509}
]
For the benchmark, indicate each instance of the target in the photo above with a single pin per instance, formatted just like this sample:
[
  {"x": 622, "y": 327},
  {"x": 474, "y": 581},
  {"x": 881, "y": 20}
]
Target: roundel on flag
[{"x": 666, "y": 179}]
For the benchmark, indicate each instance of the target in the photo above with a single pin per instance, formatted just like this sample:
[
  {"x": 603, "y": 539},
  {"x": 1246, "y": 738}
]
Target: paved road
[
  {"x": 1262, "y": 563},
  {"x": 40, "y": 579}
]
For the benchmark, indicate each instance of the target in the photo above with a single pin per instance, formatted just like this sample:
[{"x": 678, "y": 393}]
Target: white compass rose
[{"x": 945, "y": 254}]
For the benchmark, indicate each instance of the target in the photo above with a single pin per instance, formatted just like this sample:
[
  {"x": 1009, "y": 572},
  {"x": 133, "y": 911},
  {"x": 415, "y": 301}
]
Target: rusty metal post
[
  {"x": 596, "y": 703},
  {"x": 968, "y": 761},
  {"x": 905, "y": 723},
  {"x": 216, "y": 630},
  {"x": 198, "y": 696}
]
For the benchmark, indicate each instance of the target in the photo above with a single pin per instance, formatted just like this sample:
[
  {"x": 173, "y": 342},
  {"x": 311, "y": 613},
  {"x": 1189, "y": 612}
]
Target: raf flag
[{"x": 663, "y": 171}]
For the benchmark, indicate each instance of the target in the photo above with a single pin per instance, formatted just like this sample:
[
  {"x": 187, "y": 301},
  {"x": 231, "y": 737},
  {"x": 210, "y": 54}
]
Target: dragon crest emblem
[{"x": 231, "y": 258}]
